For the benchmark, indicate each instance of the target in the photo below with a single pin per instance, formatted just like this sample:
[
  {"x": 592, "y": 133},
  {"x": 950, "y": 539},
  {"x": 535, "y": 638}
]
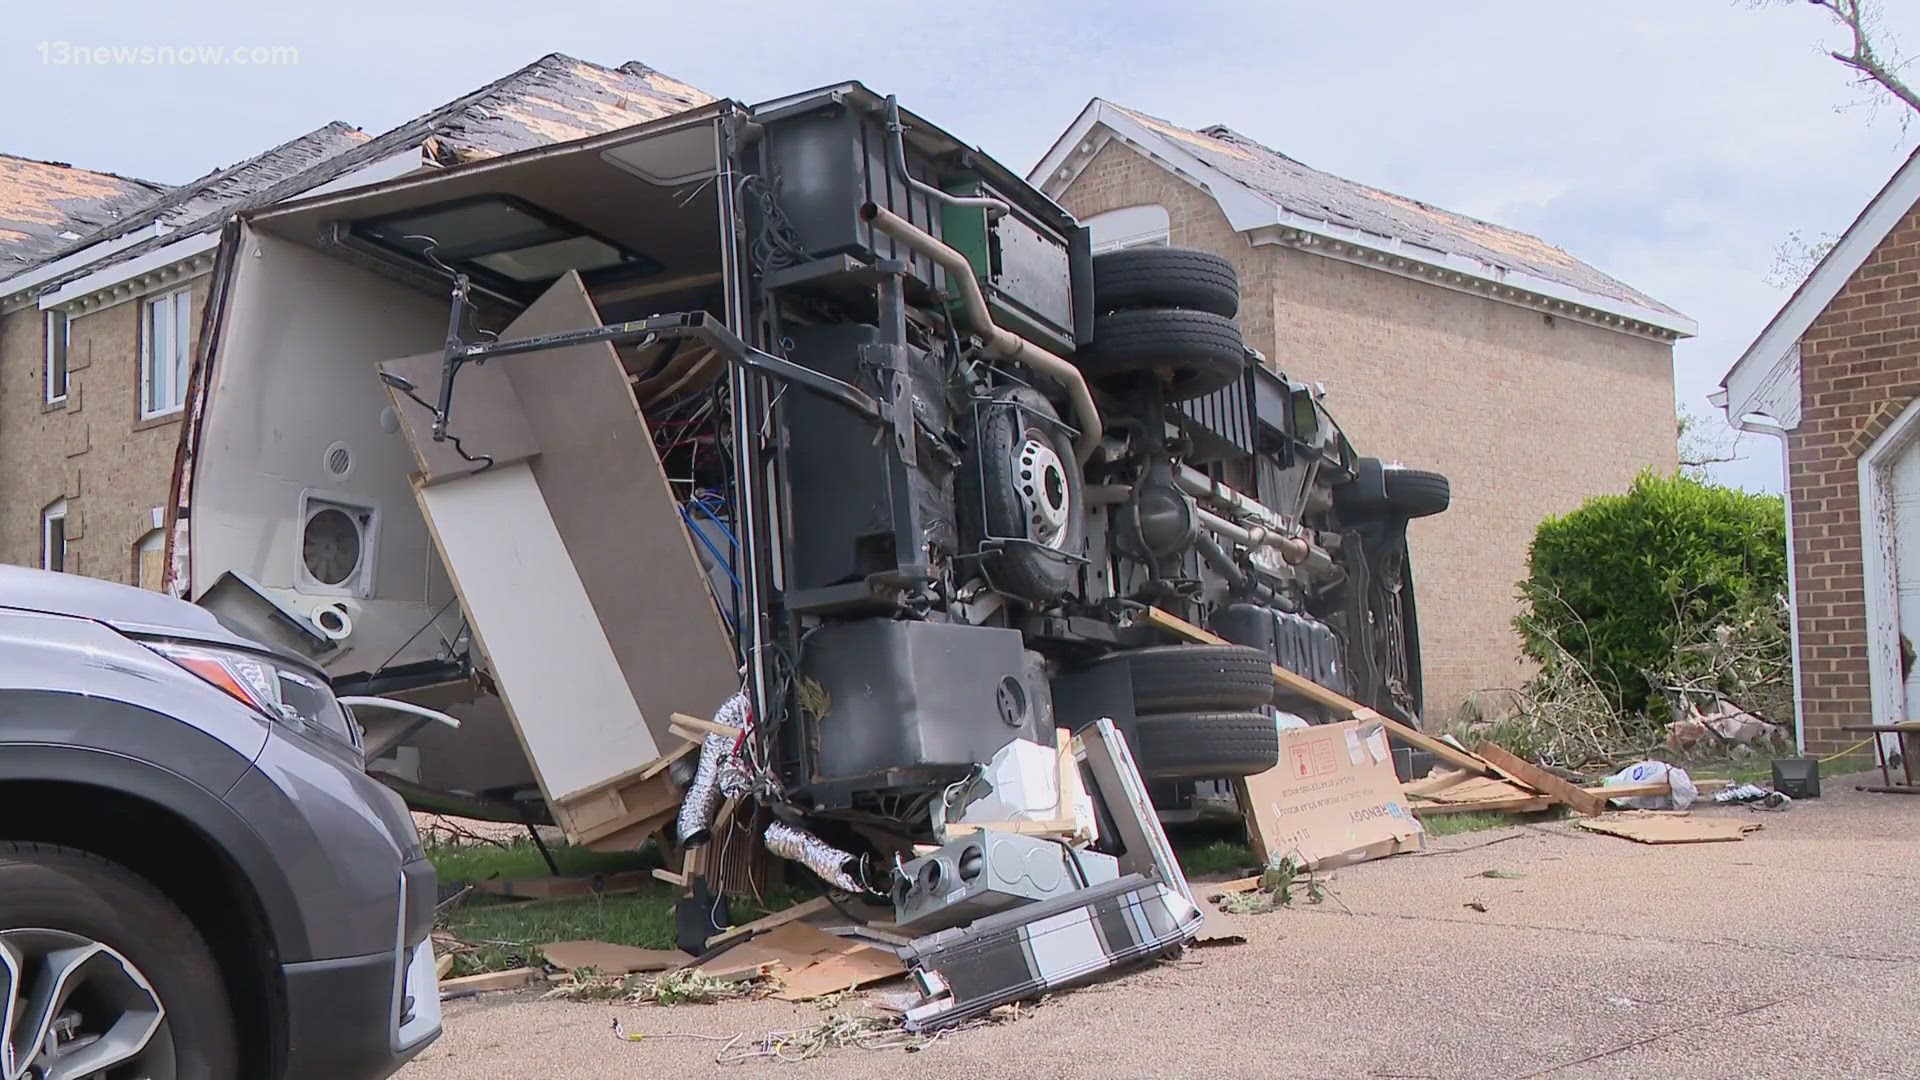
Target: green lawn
[{"x": 520, "y": 859}]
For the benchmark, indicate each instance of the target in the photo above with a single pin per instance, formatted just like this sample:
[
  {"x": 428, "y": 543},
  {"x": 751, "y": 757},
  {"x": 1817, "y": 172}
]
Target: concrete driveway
[{"x": 1794, "y": 952}]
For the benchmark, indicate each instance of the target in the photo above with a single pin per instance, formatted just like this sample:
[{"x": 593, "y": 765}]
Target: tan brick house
[
  {"x": 99, "y": 327},
  {"x": 1836, "y": 375},
  {"x": 1531, "y": 379}
]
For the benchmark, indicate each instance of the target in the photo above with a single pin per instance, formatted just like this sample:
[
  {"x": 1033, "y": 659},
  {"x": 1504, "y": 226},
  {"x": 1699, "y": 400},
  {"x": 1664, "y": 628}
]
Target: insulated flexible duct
[
  {"x": 834, "y": 866},
  {"x": 703, "y": 794}
]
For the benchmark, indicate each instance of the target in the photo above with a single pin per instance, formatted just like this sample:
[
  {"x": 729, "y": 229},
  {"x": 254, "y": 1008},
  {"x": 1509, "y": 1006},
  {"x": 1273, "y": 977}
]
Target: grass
[
  {"x": 520, "y": 859},
  {"x": 1470, "y": 821},
  {"x": 1214, "y": 857}
]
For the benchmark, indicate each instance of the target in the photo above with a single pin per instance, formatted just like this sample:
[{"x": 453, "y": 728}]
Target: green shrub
[{"x": 1613, "y": 582}]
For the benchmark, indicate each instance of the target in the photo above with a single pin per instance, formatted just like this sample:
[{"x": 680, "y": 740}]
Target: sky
[{"x": 1673, "y": 145}]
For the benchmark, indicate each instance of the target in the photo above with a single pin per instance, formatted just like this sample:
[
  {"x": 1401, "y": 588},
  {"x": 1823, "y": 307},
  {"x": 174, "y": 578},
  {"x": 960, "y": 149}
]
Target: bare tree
[
  {"x": 1866, "y": 48},
  {"x": 1704, "y": 441}
]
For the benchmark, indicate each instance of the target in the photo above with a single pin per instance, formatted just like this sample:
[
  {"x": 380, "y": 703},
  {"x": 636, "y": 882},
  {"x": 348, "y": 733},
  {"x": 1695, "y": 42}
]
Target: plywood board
[
  {"x": 559, "y": 678},
  {"x": 1654, "y": 828},
  {"x": 557, "y": 888},
  {"x": 612, "y": 506}
]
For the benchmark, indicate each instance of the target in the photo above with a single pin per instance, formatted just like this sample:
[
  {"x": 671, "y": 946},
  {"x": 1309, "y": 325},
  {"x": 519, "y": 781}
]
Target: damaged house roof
[
  {"x": 555, "y": 99},
  {"x": 1294, "y": 194},
  {"x": 45, "y": 204}
]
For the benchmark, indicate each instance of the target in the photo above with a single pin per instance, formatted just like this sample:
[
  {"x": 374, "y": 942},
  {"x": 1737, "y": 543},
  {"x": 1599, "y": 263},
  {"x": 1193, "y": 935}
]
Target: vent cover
[
  {"x": 336, "y": 546},
  {"x": 339, "y": 461}
]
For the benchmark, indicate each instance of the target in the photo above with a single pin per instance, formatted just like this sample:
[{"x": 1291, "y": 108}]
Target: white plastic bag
[{"x": 1652, "y": 772}]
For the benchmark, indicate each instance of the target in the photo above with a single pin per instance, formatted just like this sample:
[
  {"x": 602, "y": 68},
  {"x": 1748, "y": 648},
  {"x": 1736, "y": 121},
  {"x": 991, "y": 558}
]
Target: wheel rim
[
  {"x": 1041, "y": 479},
  {"x": 74, "y": 1009}
]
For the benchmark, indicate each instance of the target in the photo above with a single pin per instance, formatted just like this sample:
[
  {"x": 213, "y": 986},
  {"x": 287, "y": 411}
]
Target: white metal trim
[
  {"x": 35, "y": 275},
  {"x": 1877, "y": 564},
  {"x": 124, "y": 276}
]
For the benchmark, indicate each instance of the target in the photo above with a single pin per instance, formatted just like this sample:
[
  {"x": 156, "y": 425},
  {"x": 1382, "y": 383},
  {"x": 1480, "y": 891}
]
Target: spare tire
[
  {"x": 1020, "y": 481},
  {"x": 1195, "y": 678},
  {"x": 1380, "y": 490},
  {"x": 1163, "y": 277},
  {"x": 1176, "y": 746},
  {"x": 1188, "y": 353}
]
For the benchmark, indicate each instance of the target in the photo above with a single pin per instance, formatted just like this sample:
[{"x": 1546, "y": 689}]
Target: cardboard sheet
[
  {"x": 1333, "y": 799},
  {"x": 609, "y": 959},
  {"x": 1649, "y": 827}
]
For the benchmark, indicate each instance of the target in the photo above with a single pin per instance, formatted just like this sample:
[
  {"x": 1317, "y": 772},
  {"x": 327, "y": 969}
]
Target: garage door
[{"x": 1905, "y": 489}]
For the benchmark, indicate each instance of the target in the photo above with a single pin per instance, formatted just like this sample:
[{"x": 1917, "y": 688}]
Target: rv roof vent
[{"x": 339, "y": 461}]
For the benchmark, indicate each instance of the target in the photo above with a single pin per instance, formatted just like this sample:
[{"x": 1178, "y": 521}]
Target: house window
[
  {"x": 1129, "y": 226},
  {"x": 165, "y": 342},
  {"x": 53, "y": 536},
  {"x": 58, "y": 334}
]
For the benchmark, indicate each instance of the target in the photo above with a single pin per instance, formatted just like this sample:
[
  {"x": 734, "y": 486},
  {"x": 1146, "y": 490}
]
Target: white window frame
[
  {"x": 55, "y": 511},
  {"x": 176, "y": 301},
  {"x": 1143, "y": 225},
  {"x": 57, "y": 346}
]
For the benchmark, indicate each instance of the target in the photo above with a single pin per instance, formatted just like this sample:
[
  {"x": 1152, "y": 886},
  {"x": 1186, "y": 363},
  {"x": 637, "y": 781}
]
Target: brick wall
[
  {"x": 1859, "y": 367},
  {"x": 93, "y": 450},
  {"x": 1527, "y": 416}
]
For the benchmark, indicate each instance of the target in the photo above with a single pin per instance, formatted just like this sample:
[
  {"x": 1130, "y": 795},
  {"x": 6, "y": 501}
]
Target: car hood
[{"x": 123, "y": 607}]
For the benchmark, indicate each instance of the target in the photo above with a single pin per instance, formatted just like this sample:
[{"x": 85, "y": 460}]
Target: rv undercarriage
[{"x": 808, "y": 401}]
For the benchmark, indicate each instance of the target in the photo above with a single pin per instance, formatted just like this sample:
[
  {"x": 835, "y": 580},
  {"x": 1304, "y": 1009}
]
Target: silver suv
[{"x": 198, "y": 881}]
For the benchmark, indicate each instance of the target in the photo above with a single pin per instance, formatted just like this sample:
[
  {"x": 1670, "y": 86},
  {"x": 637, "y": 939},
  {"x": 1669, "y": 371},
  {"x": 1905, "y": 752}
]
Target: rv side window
[{"x": 165, "y": 340}]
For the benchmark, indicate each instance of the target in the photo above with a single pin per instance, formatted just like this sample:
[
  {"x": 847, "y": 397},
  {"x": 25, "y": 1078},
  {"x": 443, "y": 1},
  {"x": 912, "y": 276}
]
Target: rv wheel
[{"x": 1019, "y": 496}]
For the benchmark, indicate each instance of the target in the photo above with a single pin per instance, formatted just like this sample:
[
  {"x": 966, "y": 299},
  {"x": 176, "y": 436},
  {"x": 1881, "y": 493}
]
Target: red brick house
[{"x": 1836, "y": 376}]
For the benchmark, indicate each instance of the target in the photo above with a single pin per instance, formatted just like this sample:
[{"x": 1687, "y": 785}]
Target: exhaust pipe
[{"x": 1002, "y": 343}]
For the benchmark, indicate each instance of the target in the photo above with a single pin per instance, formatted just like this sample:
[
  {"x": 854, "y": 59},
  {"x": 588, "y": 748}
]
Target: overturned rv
[{"x": 807, "y": 399}]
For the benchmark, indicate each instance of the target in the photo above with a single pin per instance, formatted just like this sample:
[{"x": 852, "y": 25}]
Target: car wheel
[
  {"x": 1189, "y": 354},
  {"x": 1020, "y": 482},
  {"x": 101, "y": 975},
  {"x": 1157, "y": 277},
  {"x": 1196, "y": 678},
  {"x": 1222, "y": 744}
]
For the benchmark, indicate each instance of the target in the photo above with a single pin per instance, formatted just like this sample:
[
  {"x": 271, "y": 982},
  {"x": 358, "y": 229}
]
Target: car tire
[
  {"x": 45, "y": 887},
  {"x": 1161, "y": 277},
  {"x": 1212, "y": 745},
  {"x": 993, "y": 500},
  {"x": 1383, "y": 491},
  {"x": 1189, "y": 354},
  {"x": 1196, "y": 678}
]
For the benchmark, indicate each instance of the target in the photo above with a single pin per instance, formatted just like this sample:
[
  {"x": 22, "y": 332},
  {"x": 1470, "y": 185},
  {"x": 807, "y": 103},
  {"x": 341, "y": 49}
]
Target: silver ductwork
[
  {"x": 834, "y": 866},
  {"x": 703, "y": 793}
]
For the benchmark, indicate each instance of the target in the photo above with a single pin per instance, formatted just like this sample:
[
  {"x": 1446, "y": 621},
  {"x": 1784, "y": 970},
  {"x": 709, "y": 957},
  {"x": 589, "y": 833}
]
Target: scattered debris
[
  {"x": 1649, "y": 827},
  {"x": 555, "y": 888},
  {"x": 487, "y": 982},
  {"x": 1501, "y": 875},
  {"x": 1680, "y": 794},
  {"x": 1475, "y": 905},
  {"x": 1755, "y": 796},
  {"x": 1332, "y": 799},
  {"x": 610, "y": 959}
]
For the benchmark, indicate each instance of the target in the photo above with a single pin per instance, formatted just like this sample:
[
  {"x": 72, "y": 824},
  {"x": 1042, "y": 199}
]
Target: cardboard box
[{"x": 1333, "y": 799}]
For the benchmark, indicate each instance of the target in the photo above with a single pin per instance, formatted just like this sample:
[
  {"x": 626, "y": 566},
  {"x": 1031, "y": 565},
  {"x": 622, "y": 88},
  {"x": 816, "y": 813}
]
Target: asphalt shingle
[{"x": 43, "y": 204}]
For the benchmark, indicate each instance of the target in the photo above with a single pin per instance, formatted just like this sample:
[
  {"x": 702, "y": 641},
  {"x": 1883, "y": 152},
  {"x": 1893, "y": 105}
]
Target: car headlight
[{"x": 279, "y": 691}]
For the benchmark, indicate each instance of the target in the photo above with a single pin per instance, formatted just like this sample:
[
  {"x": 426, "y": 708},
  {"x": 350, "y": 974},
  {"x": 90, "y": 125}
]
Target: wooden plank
[
  {"x": 1311, "y": 690},
  {"x": 707, "y": 726},
  {"x": 631, "y": 837},
  {"x": 1523, "y": 804},
  {"x": 1481, "y": 789},
  {"x": 486, "y": 982},
  {"x": 442, "y": 964},
  {"x": 1541, "y": 780},
  {"x": 1647, "y": 827},
  {"x": 778, "y": 918},
  {"x": 555, "y": 888},
  {"x": 641, "y": 803},
  {"x": 1438, "y": 782}
]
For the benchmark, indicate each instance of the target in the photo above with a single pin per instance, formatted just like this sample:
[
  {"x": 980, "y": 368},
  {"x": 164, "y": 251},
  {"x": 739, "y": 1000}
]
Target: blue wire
[
  {"x": 711, "y": 516},
  {"x": 721, "y": 559}
]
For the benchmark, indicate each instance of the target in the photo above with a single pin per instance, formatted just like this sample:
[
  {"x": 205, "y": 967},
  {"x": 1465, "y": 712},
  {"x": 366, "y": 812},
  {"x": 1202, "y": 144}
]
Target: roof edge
[
  {"x": 1882, "y": 214},
  {"x": 1247, "y": 210}
]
